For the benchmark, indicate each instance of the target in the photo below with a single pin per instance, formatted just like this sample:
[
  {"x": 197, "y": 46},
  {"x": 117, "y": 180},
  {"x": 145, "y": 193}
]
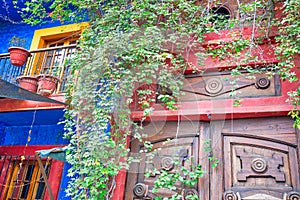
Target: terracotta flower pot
[
  {"x": 18, "y": 56},
  {"x": 28, "y": 83},
  {"x": 47, "y": 84}
]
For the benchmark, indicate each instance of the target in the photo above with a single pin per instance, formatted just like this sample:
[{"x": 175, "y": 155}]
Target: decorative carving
[
  {"x": 208, "y": 85},
  {"x": 259, "y": 165},
  {"x": 183, "y": 154},
  {"x": 213, "y": 85},
  {"x": 190, "y": 192},
  {"x": 254, "y": 165},
  {"x": 230, "y": 195},
  {"x": 167, "y": 163},
  {"x": 262, "y": 83},
  {"x": 140, "y": 190},
  {"x": 293, "y": 196},
  {"x": 261, "y": 196}
]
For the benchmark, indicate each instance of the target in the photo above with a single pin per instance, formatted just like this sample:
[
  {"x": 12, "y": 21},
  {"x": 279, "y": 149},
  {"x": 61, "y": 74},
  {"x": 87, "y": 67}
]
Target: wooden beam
[
  {"x": 44, "y": 175},
  {"x": 9, "y": 105}
]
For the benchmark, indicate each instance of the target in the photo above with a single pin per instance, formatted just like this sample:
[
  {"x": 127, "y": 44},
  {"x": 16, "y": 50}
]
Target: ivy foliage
[{"x": 137, "y": 45}]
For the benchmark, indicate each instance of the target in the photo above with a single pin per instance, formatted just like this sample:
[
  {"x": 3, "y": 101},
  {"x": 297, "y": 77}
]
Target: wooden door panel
[
  {"x": 165, "y": 154},
  {"x": 170, "y": 144},
  {"x": 278, "y": 129},
  {"x": 259, "y": 164},
  {"x": 260, "y": 159},
  {"x": 162, "y": 130}
]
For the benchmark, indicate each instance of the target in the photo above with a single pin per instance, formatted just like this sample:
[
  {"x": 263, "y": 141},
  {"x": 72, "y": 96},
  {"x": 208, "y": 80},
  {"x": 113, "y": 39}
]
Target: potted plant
[
  {"x": 28, "y": 82},
  {"x": 47, "y": 83},
  {"x": 18, "y": 54}
]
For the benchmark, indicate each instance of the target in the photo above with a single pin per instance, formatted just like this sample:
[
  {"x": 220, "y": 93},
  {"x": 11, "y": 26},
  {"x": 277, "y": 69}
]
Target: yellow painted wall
[{"x": 42, "y": 35}]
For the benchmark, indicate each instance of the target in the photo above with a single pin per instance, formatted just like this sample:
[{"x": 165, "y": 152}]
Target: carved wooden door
[
  {"x": 261, "y": 159},
  {"x": 165, "y": 153},
  {"x": 258, "y": 159}
]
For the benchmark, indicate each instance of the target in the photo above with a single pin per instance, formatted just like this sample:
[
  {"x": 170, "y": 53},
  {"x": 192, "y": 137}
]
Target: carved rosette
[
  {"x": 262, "y": 83},
  {"x": 293, "y": 196},
  {"x": 167, "y": 163},
  {"x": 213, "y": 85},
  {"x": 259, "y": 165},
  {"x": 230, "y": 195},
  {"x": 255, "y": 165},
  {"x": 189, "y": 192},
  {"x": 140, "y": 190}
]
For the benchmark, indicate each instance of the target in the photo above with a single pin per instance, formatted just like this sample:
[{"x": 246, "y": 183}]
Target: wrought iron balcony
[{"x": 52, "y": 61}]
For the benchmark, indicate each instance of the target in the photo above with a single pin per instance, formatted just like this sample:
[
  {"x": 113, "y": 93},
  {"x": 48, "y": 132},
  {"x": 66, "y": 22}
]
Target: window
[
  {"x": 50, "y": 49},
  {"x": 21, "y": 178},
  {"x": 10, "y": 160},
  {"x": 54, "y": 60},
  {"x": 220, "y": 17}
]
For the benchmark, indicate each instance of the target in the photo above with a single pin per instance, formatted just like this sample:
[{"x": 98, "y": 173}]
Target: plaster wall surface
[
  {"x": 25, "y": 31},
  {"x": 40, "y": 135}
]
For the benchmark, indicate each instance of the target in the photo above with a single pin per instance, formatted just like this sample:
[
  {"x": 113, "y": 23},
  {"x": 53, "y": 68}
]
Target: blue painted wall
[
  {"x": 15, "y": 126},
  {"x": 25, "y": 31},
  {"x": 40, "y": 135}
]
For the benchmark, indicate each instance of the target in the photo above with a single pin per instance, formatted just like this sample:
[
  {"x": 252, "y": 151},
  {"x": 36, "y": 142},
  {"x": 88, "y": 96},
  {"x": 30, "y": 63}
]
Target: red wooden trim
[
  {"x": 213, "y": 64},
  {"x": 121, "y": 180},
  {"x": 228, "y": 35},
  {"x": 21, "y": 150},
  {"x": 56, "y": 167},
  {"x": 120, "y": 185},
  {"x": 54, "y": 179},
  {"x": 8, "y": 105},
  {"x": 3, "y": 166},
  {"x": 221, "y": 109}
]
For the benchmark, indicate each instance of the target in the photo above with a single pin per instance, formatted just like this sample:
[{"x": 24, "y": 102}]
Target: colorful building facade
[
  {"x": 29, "y": 126},
  {"x": 256, "y": 144}
]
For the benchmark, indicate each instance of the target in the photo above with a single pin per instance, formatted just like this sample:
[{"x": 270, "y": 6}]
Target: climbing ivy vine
[{"x": 132, "y": 45}]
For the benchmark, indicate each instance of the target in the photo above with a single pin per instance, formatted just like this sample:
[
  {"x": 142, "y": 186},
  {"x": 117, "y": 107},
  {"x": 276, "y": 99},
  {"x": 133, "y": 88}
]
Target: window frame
[
  {"x": 41, "y": 37},
  {"x": 55, "y": 173}
]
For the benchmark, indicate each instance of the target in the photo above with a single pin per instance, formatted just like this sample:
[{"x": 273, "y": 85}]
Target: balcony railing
[
  {"x": 9, "y": 72},
  {"x": 53, "y": 61}
]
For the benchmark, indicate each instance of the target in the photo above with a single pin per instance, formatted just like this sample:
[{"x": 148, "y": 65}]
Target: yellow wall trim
[{"x": 41, "y": 35}]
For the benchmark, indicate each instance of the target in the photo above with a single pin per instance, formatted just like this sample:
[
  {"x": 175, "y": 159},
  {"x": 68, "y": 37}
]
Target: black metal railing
[
  {"x": 53, "y": 61},
  {"x": 9, "y": 72}
]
